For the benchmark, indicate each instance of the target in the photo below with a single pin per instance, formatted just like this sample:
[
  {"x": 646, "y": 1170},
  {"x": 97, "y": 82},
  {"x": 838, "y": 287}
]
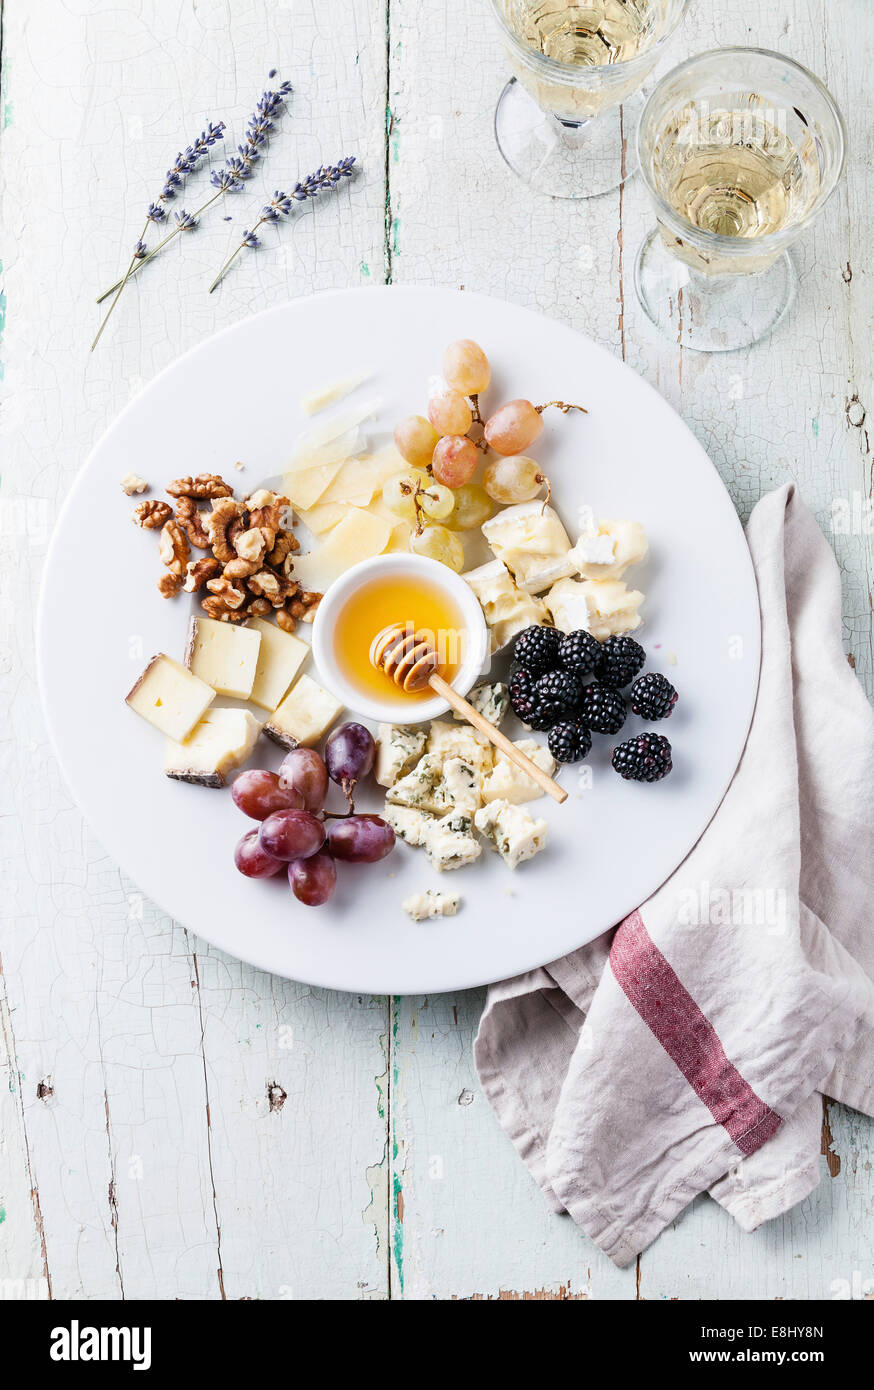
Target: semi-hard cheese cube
[
  {"x": 398, "y": 747},
  {"x": 604, "y": 607},
  {"x": 223, "y": 655},
  {"x": 280, "y": 657},
  {"x": 531, "y": 541},
  {"x": 219, "y": 742},
  {"x": 513, "y": 833},
  {"x": 431, "y": 903},
  {"x": 507, "y": 782},
  {"x": 306, "y": 713},
  {"x": 170, "y": 697}
]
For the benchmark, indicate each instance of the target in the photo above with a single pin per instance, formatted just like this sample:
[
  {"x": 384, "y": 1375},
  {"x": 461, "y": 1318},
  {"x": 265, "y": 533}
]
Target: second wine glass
[{"x": 565, "y": 121}]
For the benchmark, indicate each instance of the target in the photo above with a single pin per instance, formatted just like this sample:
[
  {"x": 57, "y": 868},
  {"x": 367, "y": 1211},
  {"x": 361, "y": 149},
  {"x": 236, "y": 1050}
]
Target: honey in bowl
[{"x": 412, "y": 601}]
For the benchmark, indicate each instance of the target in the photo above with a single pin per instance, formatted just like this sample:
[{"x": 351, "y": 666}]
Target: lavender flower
[
  {"x": 281, "y": 204},
  {"x": 185, "y": 221}
]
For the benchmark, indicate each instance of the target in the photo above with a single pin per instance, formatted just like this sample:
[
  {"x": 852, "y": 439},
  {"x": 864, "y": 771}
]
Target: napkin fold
[{"x": 683, "y": 1052}]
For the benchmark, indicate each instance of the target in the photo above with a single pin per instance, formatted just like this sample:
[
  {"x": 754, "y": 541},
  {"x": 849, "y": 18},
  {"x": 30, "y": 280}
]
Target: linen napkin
[{"x": 684, "y": 1053}]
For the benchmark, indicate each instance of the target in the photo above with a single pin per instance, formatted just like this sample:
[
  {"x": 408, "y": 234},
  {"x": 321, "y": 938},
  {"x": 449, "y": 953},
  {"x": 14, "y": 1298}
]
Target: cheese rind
[
  {"x": 607, "y": 549},
  {"x": 280, "y": 657},
  {"x": 218, "y": 743},
  {"x": 306, "y": 713},
  {"x": 170, "y": 697},
  {"x": 223, "y": 655},
  {"x": 603, "y": 607}
]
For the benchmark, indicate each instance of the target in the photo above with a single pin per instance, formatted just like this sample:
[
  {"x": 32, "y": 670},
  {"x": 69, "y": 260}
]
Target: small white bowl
[{"x": 440, "y": 576}]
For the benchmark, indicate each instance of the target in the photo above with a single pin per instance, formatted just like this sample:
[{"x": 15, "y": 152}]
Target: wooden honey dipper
[{"x": 411, "y": 661}]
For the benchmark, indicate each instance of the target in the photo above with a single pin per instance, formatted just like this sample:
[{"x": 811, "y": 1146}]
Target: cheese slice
[
  {"x": 306, "y": 713},
  {"x": 219, "y": 742},
  {"x": 305, "y": 487},
  {"x": 280, "y": 657},
  {"x": 359, "y": 536},
  {"x": 361, "y": 478},
  {"x": 322, "y": 517},
  {"x": 324, "y": 396},
  {"x": 224, "y": 656},
  {"x": 170, "y": 697}
]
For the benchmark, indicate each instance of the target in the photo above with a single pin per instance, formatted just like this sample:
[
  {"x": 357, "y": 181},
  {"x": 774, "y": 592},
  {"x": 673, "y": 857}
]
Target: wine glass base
[
  {"x": 566, "y": 161},
  {"x": 711, "y": 313}
]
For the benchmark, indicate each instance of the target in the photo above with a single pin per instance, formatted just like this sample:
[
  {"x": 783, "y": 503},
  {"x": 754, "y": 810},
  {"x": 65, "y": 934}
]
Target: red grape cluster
[{"x": 296, "y": 833}]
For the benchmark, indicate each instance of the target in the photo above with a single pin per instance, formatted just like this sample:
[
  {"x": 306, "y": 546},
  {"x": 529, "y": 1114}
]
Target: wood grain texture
[{"x": 172, "y": 1122}]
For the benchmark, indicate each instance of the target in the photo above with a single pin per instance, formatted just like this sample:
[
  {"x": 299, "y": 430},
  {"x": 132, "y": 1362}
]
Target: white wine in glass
[
  {"x": 740, "y": 149},
  {"x": 561, "y": 123}
]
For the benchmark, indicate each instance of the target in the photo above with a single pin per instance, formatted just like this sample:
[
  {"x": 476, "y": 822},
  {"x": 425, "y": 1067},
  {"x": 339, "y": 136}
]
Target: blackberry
[
  {"x": 570, "y": 741},
  {"x": 521, "y": 688},
  {"x": 619, "y": 661},
  {"x": 602, "y": 708},
  {"x": 646, "y": 758},
  {"x": 652, "y": 696},
  {"x": 537, "y": 649},
  {"x": 578, "y": 651},
  {"x": 553, "y": 698}
]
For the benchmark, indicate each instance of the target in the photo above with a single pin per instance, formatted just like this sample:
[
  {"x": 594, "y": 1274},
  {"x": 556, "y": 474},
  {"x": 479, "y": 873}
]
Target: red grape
[
  {"x": 313, "y": 880},
  {"x": 466, "y": 367},
  {"x": 258, "y": 793},
  {"x": 349, "y": 754},
  {"x": 304, "y": 770},
  {"x": 252, "y": 860},
  {"x": 455, "y": 460},
  {"x": 360, "y": 839},
  {"x": 292, "y": 835},
  {"x": 512, "y": 428},
  {"x": 450, "y": 413}
]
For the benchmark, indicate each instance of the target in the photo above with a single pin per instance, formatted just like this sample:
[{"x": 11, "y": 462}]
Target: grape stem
[
  {"x": 474, "y": 405},
  {"x": 560, "y": 405}
]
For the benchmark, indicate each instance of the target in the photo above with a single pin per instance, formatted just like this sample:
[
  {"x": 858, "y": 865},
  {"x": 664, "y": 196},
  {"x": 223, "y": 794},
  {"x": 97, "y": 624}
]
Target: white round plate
[{"x": 609, "y": 846}]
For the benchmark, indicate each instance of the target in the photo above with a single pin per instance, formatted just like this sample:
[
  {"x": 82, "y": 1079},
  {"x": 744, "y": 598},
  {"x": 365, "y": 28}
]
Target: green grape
[
  {"x": 441, "y": 545},
  {"x": 466, "y": 367},
  {"x": 513, "y": 479},
  {"x": 473, "y": 506},
  {"x": 437, "y": 502},
  {"x": 416, "y": 439},
  {"x": 450, "y": 413},
  {"x": 398, "y": 492}
]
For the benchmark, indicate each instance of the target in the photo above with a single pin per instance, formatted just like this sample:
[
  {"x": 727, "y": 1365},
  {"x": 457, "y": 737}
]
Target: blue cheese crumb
[{"x": 431, "y": 903}]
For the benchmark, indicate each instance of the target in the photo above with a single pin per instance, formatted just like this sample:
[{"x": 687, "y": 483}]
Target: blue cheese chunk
[
  {"x": 424, "y": 788},
  {"x": 514, "y": 834},
  {"x": 431, "y": 903},
  {"x": 450, "y": 842},
  {"x": 408, "y": 824},
  {"x": 461, "y": 786},
  {"x": 507, "y": 782},
  {"x": 451, "y": 740},
  {"x": 398, "y": 748},
  {"x": 491, "y": 701}
]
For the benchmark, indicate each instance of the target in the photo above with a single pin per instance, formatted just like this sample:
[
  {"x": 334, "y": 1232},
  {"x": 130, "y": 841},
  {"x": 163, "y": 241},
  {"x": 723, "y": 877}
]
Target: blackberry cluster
[
  {"x": 646, "y": 758},
  {"x": 548, "y": 692}
]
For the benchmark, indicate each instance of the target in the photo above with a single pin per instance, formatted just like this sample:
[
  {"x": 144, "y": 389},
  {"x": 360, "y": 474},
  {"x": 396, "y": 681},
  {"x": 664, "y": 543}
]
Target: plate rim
[{"x": 252, "y": 957}]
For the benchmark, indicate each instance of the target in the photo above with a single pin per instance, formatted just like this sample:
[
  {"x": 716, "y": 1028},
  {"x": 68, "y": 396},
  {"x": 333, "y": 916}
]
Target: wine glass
[
  {"x": 565, "y": 121},
  {"x": 740, "y": 149}
]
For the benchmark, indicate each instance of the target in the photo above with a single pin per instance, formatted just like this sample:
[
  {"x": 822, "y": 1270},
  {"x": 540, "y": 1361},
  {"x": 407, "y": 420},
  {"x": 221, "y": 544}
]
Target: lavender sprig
[
  {"x": 231, "y": 177},
  {"x": 185, "y": 163},
  {"x": 281, "y": 204}
]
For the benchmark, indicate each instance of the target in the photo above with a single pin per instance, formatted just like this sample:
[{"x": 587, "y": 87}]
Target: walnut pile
[{"x": 246, "y": 568}]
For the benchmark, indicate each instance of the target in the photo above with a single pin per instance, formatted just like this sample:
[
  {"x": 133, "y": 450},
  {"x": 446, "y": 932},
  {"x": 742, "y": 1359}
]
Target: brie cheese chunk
[
  {"x": 223, "y": 655},
  {"x": 431, "y": 903},
  {"x": 491, "y": 701},
  {"x": 398, "y": 747},
  {"x": 514, "y": 834},
  {"x": 170, "y": 697},
  {"x": 605, "y": 608},
  {"x": 280, "y": 657},
  {"x": 218, "y": 743},
  {"x": 507, "y": 782},
  {"x": 450, "y": 842},
  {"x": 507, "y": 610},
  {"x": 607, "y": 550},
  {"x": 307, "y": 712},
  {"x": 532, "y": 542}
]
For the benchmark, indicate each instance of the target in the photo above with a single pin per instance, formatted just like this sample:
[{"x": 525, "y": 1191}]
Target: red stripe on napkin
[{"x": 689, "y": 1039}]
